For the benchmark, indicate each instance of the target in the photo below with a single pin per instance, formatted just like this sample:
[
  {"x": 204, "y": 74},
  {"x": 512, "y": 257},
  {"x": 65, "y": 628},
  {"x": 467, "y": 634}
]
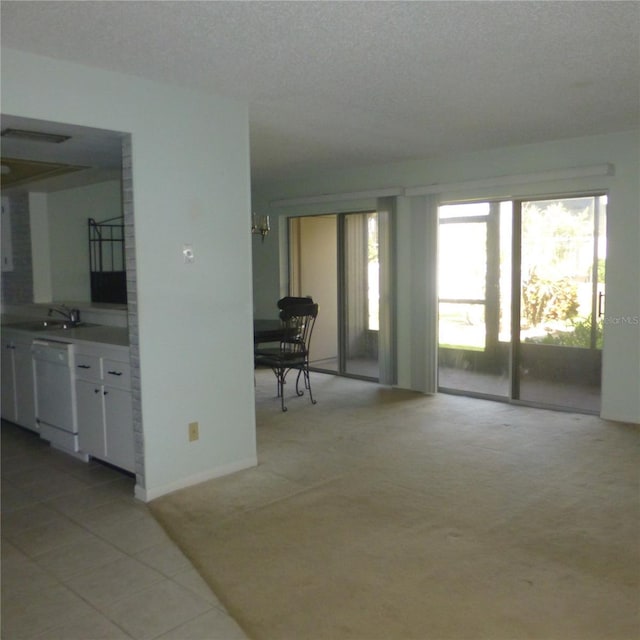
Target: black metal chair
[
  {"x": 287, "y": 301},
  {"x": 292, "y": 353}
]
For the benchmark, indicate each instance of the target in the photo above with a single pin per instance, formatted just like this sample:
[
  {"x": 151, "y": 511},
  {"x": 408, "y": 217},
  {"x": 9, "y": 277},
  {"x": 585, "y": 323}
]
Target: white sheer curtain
[
  {"x": 423, "y": 296},
  {"x": 408, "y": 348}
]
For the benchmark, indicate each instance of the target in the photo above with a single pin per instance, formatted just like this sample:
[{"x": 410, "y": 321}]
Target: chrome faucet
[{"x": 72, "y": 316}]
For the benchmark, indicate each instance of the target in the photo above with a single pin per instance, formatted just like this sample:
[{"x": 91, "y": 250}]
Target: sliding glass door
[
  {"x": 360, "y": 294},
  {"x": 335, "y": 259},
  {"x": 562, "y": 258},
  {"x": 474, "y": 283},
  {"x": 521, "y": 293},
  {"x": 313, "y": 271}
]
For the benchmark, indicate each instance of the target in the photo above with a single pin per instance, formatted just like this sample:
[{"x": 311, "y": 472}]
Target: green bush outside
[{"x": 579, "y": 336}]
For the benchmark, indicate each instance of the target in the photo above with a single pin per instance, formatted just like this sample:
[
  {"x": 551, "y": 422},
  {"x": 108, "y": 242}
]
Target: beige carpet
[{"x": 380, "y": 514}]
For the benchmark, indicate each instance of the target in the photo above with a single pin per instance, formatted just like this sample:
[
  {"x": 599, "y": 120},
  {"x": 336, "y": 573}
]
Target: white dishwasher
[{"x": 55, "y": 393}]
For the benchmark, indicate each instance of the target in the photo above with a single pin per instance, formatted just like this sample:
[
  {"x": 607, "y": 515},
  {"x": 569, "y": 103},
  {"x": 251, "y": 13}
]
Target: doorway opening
[{"x": 99, "y": 156}]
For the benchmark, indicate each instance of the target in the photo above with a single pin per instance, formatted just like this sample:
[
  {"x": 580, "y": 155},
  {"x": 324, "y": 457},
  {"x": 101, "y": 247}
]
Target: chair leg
[
  {"x": 308, "y": 382},
  {"x": 304, "y": 372},
  {"x": 280, "y": 374},
  {"x": 298, "y": 392}
]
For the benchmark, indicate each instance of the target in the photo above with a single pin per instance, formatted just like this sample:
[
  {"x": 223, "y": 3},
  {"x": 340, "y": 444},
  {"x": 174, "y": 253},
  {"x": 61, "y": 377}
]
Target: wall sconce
[{"x": 260, "y": 225}]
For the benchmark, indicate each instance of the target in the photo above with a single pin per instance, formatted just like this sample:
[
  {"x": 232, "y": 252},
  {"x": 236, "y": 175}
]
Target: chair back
[
  {"x": 298, "y": 320},
  {"x": 287, "y": 301}
]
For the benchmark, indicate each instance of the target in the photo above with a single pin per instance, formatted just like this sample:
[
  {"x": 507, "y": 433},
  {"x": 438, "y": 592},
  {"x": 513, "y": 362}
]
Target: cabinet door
[
  {"x": 88, "y": 367},
  {"x": 25, "y": 399},
  {"x": 119, "y": 427},
  {"x": 91, "y": 435},
  {"x": 117, "y": 374},
  {"x": 8, "y": 392}
]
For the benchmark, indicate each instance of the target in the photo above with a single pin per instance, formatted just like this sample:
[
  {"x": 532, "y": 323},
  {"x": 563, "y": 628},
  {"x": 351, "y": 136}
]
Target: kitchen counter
[
  {"x": 116, "y": 336},
  {"x": 98, "y": 313},
  {"x": 72, "y": 386}
]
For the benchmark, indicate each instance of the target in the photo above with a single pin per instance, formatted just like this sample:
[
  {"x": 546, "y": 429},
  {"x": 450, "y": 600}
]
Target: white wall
[
  {"x": 621, "y": 355},
  {"x": 40, "y": 247},
  {"x": 68, "y": 211},
  {"x": 190, "y": 159}
]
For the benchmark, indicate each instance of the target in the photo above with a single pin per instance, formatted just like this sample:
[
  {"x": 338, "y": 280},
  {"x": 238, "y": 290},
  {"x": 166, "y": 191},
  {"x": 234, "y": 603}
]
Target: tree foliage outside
[
  {"x": 557, "y": 291},
  {"x": 546, "y": 300}
]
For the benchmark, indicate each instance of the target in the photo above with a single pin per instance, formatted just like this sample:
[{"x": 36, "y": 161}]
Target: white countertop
[
  {"x": 111, "y": 315},
  {"x": 116, "y": 336}
]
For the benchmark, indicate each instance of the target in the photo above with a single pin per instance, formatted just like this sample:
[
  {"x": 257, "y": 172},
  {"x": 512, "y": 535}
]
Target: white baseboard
[
  {"x": 151, "y": 493},
  {"x": 625, "y": 419}
]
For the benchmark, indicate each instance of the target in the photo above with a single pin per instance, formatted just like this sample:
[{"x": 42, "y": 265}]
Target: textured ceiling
[{"x": 332, "y": 84}]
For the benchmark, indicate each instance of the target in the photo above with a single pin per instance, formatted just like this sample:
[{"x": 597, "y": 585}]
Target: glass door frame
[
  {"x": 515, "y": 345},
  {"x": 341, "y": 285},
  {"x": 492, "y": 357},
  {"x": 597, "y": 297}
]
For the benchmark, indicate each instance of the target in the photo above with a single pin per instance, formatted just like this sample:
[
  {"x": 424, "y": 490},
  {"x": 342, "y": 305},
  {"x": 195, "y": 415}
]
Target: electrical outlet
[{"x": 194, "y": 431}]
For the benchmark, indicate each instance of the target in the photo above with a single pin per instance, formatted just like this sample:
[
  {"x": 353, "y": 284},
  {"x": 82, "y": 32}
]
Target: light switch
[{"x": 187, "y": 252}]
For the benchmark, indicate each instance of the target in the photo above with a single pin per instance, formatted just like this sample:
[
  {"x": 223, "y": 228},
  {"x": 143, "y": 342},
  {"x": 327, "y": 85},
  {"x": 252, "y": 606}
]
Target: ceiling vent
[{"x": 34, "y": 136}]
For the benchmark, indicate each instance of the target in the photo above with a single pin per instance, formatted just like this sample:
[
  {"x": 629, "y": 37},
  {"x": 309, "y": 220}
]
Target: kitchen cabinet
[
  {"x": 104, "y": 408},
  {"x": 18, "y": 402},
  {"x": 8, "y": 395}
]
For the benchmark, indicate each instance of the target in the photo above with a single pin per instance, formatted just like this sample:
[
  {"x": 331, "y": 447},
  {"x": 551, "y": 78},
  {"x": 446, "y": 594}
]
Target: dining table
[{"x": 267, "y": 330}]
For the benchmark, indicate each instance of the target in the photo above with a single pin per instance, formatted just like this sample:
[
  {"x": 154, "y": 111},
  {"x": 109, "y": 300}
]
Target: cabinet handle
[
  {"x": 96, "y": 391},
  {"x": 84, "y": 366},
  {"x": 114, "y": 373},
  {"x": 106, "y": 393}
]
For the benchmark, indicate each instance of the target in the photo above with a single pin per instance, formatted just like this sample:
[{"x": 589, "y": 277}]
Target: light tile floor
[{"x": 82, "y": 559}]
